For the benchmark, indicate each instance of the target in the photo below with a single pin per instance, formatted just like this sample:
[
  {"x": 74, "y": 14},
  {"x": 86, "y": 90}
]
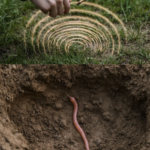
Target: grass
[{"x": 135, "y": 14}]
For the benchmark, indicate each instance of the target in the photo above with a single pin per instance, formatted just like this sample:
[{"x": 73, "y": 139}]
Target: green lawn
[{"x": 135, "y": 14}]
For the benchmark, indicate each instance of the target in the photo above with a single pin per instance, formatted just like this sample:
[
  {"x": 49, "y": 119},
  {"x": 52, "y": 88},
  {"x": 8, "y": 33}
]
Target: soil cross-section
[{"x": 36, "y": 113}]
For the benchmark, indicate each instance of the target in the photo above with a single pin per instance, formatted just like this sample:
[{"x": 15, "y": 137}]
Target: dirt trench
[{"x": 36, "y": 114}]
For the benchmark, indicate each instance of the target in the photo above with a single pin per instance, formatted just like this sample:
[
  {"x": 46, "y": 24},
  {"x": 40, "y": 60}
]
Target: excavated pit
[{"x": 113, "y": 107}]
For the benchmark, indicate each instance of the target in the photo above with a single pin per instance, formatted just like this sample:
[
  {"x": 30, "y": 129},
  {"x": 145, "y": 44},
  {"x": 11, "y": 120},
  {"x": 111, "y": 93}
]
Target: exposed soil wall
[{"x": 36, "y": 114}]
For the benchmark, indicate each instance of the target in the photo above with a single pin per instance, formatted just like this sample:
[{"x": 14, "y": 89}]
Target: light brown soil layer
[{"x": 36, "y": 114}]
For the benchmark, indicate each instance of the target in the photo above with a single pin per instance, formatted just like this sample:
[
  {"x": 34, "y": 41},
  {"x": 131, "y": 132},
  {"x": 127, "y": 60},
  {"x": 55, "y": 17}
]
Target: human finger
[
  {"x": 67, "y": 6},
  {"x": 60, "y": 8},
  {"x": 53, "y": 9},
  {"x": 43, "y": 5}
]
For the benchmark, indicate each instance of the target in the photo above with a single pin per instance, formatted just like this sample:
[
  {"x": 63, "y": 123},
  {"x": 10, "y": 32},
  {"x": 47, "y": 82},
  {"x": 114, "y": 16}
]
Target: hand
[{"x": 53, "y": 7}]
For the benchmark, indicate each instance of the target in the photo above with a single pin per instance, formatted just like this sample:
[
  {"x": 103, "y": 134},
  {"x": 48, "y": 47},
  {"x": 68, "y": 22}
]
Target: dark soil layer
[{"x": 36, "y": 114}]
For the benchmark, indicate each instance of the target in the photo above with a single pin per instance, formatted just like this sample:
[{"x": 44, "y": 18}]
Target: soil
[{"x": 36, "y": 114}]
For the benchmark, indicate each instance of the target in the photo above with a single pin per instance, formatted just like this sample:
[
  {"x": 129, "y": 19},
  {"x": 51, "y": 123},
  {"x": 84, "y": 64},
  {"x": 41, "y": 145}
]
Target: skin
[
  {"x": 53, "y": 7},
  {"x": 77, "y": 124}
]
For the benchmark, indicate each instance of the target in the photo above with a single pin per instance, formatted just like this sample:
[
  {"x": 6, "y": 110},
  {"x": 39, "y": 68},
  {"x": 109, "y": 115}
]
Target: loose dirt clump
[{"x": 36, "y": 114}]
